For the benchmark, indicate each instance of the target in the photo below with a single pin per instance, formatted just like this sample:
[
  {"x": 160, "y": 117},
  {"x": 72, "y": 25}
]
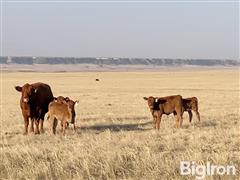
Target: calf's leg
[
  {"x": 67, "y": 125},
  {"x": 180, "y": 117},
  {"x": 154, "y": 121},
  {"x": 55, "y": 122},
  {"x": 198, "y": 115},
  {"x": 155, "y": 118},
  {"x": 180, "y": 120},
  {"x": 51, "y": 125},
  {"x": 190, "y": 115},
  {"x": 176, "y": 119},
  {"x": 64, "y": 128},
  {"x": 74, "y": 126},
  {"x": 61, "y": 126},
  {"x": 159, "y": 117}
]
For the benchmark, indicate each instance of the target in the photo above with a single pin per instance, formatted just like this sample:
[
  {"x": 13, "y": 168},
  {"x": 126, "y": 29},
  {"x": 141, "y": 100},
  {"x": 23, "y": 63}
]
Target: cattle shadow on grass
[
  {"x": 137, "y": 118},
  {"x": 116, "y": 127},
  {"x": 208, "y": 123}
]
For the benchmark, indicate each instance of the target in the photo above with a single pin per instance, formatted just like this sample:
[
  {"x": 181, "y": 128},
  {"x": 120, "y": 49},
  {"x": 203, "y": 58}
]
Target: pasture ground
[{"x": 115, "y": 139}]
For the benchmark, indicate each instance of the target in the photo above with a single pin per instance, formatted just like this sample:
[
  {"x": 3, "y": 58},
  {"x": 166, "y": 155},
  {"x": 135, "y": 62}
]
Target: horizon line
[{"x": 111, "y": 57}]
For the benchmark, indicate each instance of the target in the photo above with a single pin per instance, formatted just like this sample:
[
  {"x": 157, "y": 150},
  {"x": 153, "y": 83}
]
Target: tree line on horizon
[{"x": 117, "y": 61}]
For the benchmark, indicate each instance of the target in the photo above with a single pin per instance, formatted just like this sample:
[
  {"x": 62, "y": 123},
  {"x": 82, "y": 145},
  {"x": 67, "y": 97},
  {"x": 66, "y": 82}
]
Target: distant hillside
[{"x": 117, "y": 61}]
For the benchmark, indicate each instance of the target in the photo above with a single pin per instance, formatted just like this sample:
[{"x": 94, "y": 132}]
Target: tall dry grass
[{"x": 115, "y": 139}]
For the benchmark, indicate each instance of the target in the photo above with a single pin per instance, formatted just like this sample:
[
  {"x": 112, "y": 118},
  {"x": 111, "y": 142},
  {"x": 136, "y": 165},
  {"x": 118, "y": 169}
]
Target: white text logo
[{"x": 201, "y": 171}]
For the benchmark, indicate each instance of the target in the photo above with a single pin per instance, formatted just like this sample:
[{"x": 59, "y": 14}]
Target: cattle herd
[{"x": 37, "y": 100}]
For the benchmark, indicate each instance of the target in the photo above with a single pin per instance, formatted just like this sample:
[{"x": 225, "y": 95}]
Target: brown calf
[
  {"x": 63, "y": 111},
  {"x": 71, "y": 105},
  {"x": 165, "y": 105},
  {"x": 189, "y": 105}
]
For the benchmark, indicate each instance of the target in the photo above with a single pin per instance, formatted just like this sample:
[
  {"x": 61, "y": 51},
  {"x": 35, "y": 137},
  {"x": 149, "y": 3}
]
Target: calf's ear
[
  {"x": 67, "y": 99},
  {"x": 76, "y": 102},
  {"x": 145, "y": 98},
  {"x": 18, "y": 88}
]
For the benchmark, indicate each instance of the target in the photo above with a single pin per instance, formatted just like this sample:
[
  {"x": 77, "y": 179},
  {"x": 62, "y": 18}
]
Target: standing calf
[
  {"x": 189, "y": 105},
  {"x": 165, "y": 105},
  {"x": 71, "y": 104},
  {"x": 63, "y": 111}
]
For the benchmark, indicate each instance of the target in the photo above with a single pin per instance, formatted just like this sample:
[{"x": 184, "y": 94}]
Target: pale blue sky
[{"x": 136, "y": 29}]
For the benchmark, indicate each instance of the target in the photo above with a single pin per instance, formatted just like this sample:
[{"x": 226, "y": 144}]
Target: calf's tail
[{"x": 47, "y": 115}]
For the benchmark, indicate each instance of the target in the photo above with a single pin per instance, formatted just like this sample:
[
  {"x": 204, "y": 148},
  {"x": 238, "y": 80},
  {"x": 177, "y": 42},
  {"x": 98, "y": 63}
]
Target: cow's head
[
  {"x": 151, "y": 101},
  {"x": 28, "y": 92}
]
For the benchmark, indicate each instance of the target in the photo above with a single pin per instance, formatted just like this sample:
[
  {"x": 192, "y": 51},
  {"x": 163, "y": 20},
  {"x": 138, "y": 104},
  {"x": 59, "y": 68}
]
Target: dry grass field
[{"x": 115, "y": 139}]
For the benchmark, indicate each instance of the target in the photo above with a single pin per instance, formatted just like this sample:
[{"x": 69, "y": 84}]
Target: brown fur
[
  {"x": 71, "y": 104},
  {"x": 58, "y": 106},
  {"x": 62, "y": 99},
  {"x": 58, "y": 112},
  {"x": 34, "y": 104},
  {"x": 165, "y": 105},
  {"x": 189, "y": 105}
]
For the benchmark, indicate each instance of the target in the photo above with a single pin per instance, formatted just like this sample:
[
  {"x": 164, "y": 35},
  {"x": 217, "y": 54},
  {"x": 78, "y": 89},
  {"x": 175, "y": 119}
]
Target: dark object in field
[
  {"x": 58, "y": 110},
  {"x": 97, "y": 79},
  {"x": 165, "y": 105},
  {"x": 34, "y": 104},
  {"x": 189, "y": 105}
]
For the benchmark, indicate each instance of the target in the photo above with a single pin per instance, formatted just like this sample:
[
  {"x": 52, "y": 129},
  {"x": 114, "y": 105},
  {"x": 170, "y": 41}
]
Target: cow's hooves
[
  {"x": 25, "y": 133},
  {"x": 37, "y": 132}
]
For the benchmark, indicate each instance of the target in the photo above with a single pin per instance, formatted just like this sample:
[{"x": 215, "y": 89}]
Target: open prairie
[{"x": 115, "y": 138}]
